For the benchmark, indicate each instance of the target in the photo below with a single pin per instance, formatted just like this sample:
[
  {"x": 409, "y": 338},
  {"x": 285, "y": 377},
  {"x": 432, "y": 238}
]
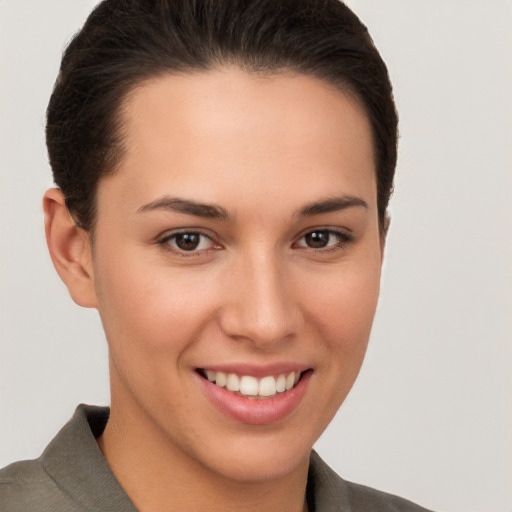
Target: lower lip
[{"x": 257, "y": 411}]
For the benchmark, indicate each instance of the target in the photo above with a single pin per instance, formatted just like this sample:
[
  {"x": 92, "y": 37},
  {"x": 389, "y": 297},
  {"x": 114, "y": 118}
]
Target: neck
[{"x": 158, "y": 476}]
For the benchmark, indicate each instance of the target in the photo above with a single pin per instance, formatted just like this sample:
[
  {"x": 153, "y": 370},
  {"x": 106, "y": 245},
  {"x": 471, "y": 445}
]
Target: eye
[
  {"x": 323, "y": 239},
  {"x": 188, "y": 241}
]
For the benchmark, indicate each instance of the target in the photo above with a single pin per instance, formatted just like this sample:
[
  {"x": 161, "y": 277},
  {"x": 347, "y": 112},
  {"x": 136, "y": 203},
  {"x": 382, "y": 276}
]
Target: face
[{"x": 237, "y": 247}]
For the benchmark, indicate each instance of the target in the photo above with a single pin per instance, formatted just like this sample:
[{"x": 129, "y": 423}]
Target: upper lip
[{"x": 255, "y": 370}]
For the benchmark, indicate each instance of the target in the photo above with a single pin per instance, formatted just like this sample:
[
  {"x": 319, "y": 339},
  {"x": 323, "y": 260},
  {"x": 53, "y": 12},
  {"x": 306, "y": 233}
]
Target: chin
[
  {"x": 258, "y": 458},
  {"x": 261, "y": 467}
]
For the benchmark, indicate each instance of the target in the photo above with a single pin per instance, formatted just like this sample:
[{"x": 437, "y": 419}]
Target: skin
[{"x": 262, "y": 148}]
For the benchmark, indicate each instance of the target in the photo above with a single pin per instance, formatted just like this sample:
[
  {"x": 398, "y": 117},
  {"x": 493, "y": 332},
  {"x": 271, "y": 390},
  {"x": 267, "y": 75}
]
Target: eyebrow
[
  {"x": 186, "y": 206},
  {"x": 212, "y": 211},
  {"x": 332, "y": 204}
]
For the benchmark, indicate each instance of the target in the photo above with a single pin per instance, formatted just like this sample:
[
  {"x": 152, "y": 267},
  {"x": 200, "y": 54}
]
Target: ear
[{"x": 70, "y": 249}]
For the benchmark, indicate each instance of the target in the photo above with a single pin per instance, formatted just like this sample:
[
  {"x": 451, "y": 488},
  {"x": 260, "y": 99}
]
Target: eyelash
[
  {"x": 165, "y": 243},
  {"x": 342, "y": 240}
]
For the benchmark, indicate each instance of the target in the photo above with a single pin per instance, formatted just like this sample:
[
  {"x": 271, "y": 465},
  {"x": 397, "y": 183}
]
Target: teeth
[
  {"x": 220, "y": 379},
  {"x": 280, "y": 383},
  {"x": 233, "y": 382},
  {"x": 251, "y": 386},
  {"x": 267, "y": 386}
]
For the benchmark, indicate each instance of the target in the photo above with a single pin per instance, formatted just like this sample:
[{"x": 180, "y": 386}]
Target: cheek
[
  {"x": 344, "y": 306},
  {"x": 341, "y": 308},
  {"x": 149, "y": 308}
]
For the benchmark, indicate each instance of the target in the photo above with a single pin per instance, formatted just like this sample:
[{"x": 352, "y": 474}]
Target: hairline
[{"x": 131, "y": 88}]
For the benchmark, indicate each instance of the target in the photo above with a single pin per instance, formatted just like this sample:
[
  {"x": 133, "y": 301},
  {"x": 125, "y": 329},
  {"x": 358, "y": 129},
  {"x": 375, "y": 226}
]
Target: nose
[{"x": 261, "y": 306}]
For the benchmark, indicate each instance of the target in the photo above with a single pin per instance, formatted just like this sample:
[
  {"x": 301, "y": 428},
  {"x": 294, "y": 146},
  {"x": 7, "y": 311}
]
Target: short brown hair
[{"x": 125, "y": 42}]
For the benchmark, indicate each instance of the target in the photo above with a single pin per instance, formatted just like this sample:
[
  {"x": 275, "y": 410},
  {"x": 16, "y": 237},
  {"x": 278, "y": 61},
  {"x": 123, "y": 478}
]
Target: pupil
[
  {"x": 317, "y": 239},
  {"x": 188, "y": 241}
]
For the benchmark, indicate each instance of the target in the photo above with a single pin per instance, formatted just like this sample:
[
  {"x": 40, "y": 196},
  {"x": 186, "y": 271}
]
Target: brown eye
[
  {"x": 323, "y": 239},
  {"x": 319, "y": 239},
  {"x": 188, "y": 241}
]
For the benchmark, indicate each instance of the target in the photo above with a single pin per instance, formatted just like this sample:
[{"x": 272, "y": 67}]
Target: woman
[{"x": 223, "y": 173}]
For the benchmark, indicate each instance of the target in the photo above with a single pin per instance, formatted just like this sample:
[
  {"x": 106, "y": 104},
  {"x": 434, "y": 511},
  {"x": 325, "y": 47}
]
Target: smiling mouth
[{"x": 252, "y": 387}]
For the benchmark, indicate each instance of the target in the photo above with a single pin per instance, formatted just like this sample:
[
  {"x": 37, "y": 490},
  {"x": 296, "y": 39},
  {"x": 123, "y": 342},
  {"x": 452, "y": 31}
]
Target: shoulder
[
  {"x": 372, "y": 499},
  {"x": 332, "y": 493},
  {"x": 26, "y": 486},
  {"x": 70, "y": 476},
  {"x": 38, "y": 485}
]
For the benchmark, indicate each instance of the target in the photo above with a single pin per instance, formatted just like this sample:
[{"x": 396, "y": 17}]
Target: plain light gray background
[{"x": 430, "y": 417}]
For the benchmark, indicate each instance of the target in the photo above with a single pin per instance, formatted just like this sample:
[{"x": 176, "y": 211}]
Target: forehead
[{"x": 246, "y": 132}]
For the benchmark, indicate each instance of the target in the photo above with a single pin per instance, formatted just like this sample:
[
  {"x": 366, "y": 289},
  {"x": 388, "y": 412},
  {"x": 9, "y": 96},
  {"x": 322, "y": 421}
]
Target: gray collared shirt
[{"x": 73, "y": 476}]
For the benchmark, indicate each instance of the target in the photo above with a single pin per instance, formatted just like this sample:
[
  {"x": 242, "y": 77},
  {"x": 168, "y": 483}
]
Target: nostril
[{"x": 264, "y": 317}]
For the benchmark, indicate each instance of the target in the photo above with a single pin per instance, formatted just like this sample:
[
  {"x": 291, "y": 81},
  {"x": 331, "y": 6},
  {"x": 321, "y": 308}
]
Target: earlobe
[{"x": 70, "y": 249}]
